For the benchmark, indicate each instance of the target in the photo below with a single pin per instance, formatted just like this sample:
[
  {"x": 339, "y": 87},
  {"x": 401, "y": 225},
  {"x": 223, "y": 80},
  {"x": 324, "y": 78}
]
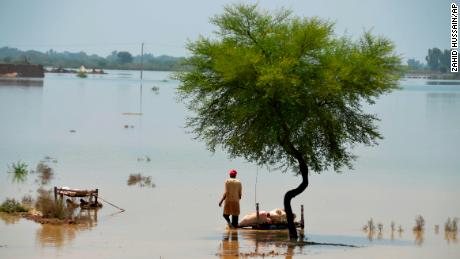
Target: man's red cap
[{"x": 232, "y": 172}]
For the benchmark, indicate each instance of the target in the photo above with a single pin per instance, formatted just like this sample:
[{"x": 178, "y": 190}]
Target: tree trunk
[{"x": 294, "y": 192}]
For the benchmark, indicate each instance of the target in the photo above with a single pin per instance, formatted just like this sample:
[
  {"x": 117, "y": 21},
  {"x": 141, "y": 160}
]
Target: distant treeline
[
  {"x": 437, "y": 61},
  {"x": 116, "y": 60}
]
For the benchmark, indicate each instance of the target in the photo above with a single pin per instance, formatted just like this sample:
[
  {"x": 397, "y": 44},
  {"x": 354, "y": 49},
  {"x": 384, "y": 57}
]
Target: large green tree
[{"x": 280, "y": 90}]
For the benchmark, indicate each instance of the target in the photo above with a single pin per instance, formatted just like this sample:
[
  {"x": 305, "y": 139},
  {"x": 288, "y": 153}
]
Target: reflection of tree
[
  {"x": 418, "y": 237},
  {"x": 59, "y": 235},
  {"x": 261, "y": 243},
  {"x": 450, "y": 236},
  {"x": 256, "y": 243},
  {"x": 9, "y": 219},
  {"x": 55, "y": 235}
]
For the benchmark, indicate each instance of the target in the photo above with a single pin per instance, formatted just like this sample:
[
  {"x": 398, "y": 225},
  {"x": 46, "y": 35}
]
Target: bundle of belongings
[{"x": 276, "y": 216}]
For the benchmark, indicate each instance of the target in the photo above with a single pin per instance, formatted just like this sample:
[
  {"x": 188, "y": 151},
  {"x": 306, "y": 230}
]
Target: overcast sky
[{"x": 100, "y": 26}]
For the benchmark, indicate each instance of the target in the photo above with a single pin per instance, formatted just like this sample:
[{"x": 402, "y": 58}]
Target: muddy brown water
[{"x": 81, "y": 124}]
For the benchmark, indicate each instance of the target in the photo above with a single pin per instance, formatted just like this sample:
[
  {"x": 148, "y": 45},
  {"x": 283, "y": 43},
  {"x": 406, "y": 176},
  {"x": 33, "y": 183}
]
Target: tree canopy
[{"x": 268, "y": 79}]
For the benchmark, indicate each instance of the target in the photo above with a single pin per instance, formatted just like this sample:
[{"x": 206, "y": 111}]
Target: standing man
[{"x": 232, "y": 197}]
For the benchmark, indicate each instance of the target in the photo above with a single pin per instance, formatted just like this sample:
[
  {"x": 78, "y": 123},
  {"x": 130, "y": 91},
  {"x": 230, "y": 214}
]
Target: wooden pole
[
  {"x": 257, "y": 214},
  {"x": 55, "y": 193},
  {"x": 142, "y": 58},
  {"x": 140, "y": 88},
  {"x": 97, "y": 194},
  {"x": 302, "y": 222}
]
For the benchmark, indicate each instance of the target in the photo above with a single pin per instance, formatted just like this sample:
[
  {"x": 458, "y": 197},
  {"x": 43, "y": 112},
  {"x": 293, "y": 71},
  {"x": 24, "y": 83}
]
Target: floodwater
[{"x": 93, "y": 137}]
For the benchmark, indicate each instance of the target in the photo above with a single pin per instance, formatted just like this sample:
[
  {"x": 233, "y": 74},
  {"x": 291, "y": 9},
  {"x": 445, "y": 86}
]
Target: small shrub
[
  {"x": 370, "y": 225},
  {"x": 45, "y": 173},
  {"x": 380, "y": 227},
  {"x": 419, "y": 223},
  {"x": 142, "y": 181},
  {"x": 49, "y": 207},
  {"x": 451, "y": 225},
  {"x": 12, "y": 206},
  {"x": 156, "y": 89}
]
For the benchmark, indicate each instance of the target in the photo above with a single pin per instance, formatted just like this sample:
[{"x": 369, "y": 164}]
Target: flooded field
[{"x": 127, "y": 138}]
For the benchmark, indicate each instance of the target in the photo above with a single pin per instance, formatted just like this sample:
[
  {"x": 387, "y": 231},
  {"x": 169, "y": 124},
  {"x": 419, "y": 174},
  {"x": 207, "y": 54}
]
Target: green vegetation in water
[
  {"x": 144, "y": 158},
  {"x": 142, "y": 181},
  {"x": 419, "y": 223},
  {"x": 451, "y": 225},
  {"x": 19, "y": 170},
  {"x": 51, "y": 208},
  {"x": 156, "y": 89},
  {"x": 12, "y": 206}
]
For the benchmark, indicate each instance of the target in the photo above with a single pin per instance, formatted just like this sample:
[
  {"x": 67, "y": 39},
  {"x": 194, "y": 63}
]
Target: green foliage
[
  {"x": 12, "y": 206},
  {"x": 438, "y": 60},
  {"x": 269, "y": 87},
  {"x": 19, "y": 170}
]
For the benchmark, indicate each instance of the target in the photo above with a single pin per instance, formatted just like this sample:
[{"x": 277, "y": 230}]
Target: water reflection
[
  {"x": 450, "y": 237},
  {"x": 21, "y": 81},
  {"x": 259, "y": 243},
  {"x": 50, "y": 235},
  {"x": 9, "y": 219},
  {"x": 442, "y": 82},
  {"x": 418, "y": 237},
  {"x": 230, "y": 245}
]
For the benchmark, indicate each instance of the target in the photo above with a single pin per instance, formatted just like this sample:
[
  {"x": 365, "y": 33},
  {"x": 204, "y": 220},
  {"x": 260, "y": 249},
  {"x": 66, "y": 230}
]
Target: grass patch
[{"x": 12, "y": 206}]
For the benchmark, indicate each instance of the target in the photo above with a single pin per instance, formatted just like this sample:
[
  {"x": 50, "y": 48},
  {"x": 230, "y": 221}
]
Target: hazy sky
[{"x": 100, "y": 26}]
